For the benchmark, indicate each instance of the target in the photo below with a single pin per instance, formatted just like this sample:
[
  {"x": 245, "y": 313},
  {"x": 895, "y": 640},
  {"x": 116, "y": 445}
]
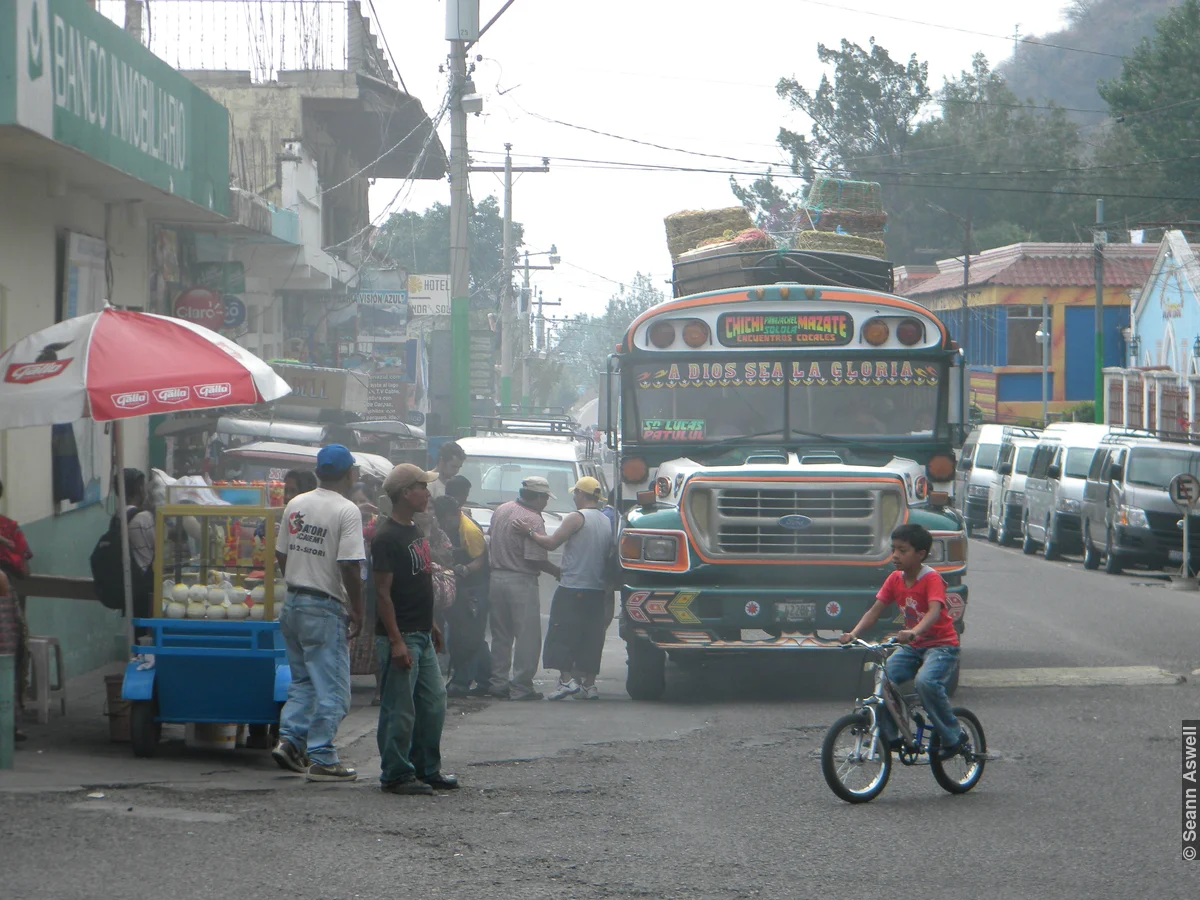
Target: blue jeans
[
  {"x": 931, "y": 669},
  {"x": 314, "y": 632},
  {"x": 412, "y": 711}
]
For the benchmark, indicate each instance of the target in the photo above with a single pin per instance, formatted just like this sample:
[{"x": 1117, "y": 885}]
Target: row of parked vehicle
[{"x": 1080, "y": 488}]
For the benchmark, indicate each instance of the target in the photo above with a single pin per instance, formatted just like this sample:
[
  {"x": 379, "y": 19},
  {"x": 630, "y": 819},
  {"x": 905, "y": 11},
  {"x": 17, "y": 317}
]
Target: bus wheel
[{"x": 647, "y": 675}]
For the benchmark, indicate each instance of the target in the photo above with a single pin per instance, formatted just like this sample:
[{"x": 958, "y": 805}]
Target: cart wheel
[{"x": 144, "y": 732}]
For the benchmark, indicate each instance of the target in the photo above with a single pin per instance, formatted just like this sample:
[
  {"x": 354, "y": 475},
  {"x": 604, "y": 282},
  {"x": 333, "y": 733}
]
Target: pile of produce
[{"x": 689, "y": 229}]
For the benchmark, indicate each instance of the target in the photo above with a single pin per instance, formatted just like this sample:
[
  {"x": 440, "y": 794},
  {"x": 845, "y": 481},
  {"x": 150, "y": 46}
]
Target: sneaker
[
  {"x": 963, "y": 746},
  {"x": 408, "y": 786},
  {"x": 564, "y": 689},
  {"x": 588, "y": 692},
  {"x": 288, "y": 757},
  {"x": 336, "y": 772},
  {"x": 532, "y": 695}
]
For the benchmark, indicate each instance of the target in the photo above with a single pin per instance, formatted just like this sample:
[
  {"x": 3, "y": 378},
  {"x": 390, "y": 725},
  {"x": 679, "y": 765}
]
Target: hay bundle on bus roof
[
  {"x": 686, "y": 230},
  {"x": 840, "y": 243}
]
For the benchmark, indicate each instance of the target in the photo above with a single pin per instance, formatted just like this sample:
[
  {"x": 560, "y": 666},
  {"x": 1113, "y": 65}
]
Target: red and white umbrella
[{"x": 117, "y": 364}]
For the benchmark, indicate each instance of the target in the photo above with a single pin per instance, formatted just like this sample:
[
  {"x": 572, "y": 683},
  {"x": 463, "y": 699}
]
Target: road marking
[
  {"x": 1115, "y": 676},
  {"x": 173, "y": 814}
]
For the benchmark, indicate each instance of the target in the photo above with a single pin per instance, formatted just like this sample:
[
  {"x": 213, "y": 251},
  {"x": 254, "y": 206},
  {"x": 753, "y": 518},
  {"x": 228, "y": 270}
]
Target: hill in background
[{"x": 1067, "y": 78}]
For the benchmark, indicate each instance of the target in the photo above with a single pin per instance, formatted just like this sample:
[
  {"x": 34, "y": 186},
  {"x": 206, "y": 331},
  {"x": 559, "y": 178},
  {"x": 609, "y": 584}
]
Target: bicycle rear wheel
[
  {"x": 961, "y": 773},
  {"x": 851, "y": 770}
]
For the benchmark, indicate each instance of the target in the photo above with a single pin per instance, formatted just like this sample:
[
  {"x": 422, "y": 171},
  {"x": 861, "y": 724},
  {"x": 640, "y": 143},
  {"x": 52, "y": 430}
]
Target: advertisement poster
[
  {"x": 830, "y": 329},
  {"x": 429, "y": 295},
  {"x": 382, "y": 305}
]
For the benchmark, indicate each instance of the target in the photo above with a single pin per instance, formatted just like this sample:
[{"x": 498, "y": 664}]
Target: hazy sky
[{"x": 690, "y": 74}]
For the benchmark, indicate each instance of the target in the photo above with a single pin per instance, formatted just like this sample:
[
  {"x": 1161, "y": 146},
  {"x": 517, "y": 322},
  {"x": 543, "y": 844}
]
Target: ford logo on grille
[{"x": 795, "y": 523}]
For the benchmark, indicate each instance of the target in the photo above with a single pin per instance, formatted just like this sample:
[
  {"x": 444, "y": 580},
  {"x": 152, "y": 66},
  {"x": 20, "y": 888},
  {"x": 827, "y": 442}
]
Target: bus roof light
[
  {"x": 662, "y": 335},
  {"x": 695, "y": 333},
  {"x": 910, "y": 332},
  {"x": 875, "y": 332}
]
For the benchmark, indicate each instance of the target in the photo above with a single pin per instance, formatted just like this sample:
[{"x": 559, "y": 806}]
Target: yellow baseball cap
[{"x": 589, "y": 485}]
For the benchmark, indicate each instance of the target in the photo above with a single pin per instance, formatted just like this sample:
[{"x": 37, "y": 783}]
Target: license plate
[
  {"x": 1175, "y": 556},
  {"x": 796, "y": 612}
]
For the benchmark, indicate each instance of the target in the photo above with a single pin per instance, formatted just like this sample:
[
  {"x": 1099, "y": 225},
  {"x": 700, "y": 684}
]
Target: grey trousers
[{"x": 516, "y": 622}]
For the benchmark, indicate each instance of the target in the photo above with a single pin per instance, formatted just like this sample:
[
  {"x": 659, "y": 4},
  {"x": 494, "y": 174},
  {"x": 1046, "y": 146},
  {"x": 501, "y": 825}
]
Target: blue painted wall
[
  {"x": 1016, "y": 387},
  {"x": 1169, "y": 312},
  {"x": 1081, "y": 347}
]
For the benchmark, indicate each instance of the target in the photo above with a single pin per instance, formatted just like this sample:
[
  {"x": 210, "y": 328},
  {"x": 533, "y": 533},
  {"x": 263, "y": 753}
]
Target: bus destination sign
[{"x": 832, "y": 329}]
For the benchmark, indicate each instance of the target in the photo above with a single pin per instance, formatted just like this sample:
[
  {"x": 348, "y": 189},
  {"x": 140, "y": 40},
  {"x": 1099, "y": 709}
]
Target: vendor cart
[{"x": 212, "y": 651}]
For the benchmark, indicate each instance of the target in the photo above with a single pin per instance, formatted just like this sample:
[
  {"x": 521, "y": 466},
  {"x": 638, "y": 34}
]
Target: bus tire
[{"x": 647, "y": 675}]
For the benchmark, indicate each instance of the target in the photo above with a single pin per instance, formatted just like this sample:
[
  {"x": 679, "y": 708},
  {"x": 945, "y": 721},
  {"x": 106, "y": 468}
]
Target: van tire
[
  {"x": 647, "y": 677},
  {"x": 1028, "y": 547},
  {"x": 1112, "y": 561},
  {"x": 993, "y": 535},
  {"x": 1091, "y": 556},
  {"x": 1050, "y": 551}
]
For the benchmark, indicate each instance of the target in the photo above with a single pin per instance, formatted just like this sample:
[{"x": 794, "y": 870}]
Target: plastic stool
[{"x": 40, "y": 690}]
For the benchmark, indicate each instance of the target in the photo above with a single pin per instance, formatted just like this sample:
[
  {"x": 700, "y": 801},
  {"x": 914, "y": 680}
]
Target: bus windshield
[{"x": 714, "y": 400}]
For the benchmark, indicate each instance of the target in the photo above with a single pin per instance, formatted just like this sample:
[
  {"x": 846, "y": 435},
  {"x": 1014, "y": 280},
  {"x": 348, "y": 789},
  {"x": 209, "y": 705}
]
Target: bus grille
[{"x": 736, "y": 520}]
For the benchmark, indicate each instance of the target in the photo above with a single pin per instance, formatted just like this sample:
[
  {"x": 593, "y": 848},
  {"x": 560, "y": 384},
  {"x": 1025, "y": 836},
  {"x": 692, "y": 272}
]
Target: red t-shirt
[
  {"x": 915, "y": 601},
  {"x": 13, "y": 559}
]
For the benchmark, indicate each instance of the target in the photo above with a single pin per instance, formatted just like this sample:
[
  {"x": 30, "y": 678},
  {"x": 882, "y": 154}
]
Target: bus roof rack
[{"x": 751, "y": 268}]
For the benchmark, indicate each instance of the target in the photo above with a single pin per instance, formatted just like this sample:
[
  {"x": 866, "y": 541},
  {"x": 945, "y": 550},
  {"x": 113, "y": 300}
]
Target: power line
[{"x": 1033, "y": 42}]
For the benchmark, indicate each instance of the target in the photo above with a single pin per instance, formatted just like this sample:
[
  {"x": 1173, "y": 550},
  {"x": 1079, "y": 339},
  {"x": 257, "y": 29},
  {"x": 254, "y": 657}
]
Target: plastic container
[{"x": 207, "y": 736}]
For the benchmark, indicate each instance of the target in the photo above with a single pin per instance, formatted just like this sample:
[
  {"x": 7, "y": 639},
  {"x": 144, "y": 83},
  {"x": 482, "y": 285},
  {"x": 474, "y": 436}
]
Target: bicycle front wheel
[
  {"x": 855, "y": 761},
  {"x": 961, "y": 773}
]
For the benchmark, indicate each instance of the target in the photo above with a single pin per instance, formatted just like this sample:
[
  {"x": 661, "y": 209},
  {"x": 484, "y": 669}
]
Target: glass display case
[{"x": 216, "y": 562}]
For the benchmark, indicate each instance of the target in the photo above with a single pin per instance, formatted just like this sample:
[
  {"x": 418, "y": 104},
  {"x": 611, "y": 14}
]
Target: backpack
[{"x": 109, "y": 577}]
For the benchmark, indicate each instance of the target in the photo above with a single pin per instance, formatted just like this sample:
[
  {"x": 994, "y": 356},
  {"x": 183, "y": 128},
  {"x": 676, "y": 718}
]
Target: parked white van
[
  {"x": 976, "y": 468},
  {"x": 1006, "y": 498},
  {"x": 1054, "y": 487}
]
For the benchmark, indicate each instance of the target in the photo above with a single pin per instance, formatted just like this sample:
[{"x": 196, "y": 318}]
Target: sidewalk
[{"x": 74, "y": 751}]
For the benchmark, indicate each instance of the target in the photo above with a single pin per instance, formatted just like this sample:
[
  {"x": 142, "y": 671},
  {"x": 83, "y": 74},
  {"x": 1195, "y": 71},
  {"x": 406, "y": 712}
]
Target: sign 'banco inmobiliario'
[{"x": 73, "y": 76}]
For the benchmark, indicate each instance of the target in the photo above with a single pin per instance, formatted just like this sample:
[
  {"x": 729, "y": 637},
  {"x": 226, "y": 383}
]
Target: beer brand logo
[
  {"x": 217, "y": 391},
  {"x": 172, "y": 395},
  {"x": 27, "y": 373},
  {"x": 131, "y": 399}
]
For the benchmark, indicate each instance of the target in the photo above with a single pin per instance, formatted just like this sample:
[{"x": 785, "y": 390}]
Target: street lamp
[
  {"x": 1043, "y": 337},
  {"x": 1196, "y": 347},
  {"x": 1135, "y": 344}
]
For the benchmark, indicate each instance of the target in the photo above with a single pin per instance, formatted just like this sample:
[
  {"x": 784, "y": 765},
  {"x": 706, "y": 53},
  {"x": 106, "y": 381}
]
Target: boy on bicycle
[{"x": 930, "y": 642}]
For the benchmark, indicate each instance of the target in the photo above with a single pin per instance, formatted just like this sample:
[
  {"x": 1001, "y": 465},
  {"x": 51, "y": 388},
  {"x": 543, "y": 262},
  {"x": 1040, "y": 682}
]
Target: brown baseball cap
[{"x": 406, "y": 475}]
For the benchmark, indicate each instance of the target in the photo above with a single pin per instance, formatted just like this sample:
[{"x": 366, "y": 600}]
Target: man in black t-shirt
[{"x": 412, "y": 707}]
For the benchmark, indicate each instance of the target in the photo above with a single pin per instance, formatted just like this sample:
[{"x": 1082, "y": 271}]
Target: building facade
[{"x": 1005, "y": 293}]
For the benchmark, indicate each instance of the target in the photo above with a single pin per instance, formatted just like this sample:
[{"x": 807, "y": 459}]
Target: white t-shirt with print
[{"x": 320, "y": 530}]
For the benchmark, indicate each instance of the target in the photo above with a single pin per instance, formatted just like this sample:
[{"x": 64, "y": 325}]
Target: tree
[
  {"x": 1154, "y": 100},
  {"x": 582, "y": 345},
  {"x": 420, "y": 241}
]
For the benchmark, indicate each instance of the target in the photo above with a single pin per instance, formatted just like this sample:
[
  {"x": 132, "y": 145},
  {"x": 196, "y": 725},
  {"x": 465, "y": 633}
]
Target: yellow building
[{"x": 1004, "y": 313}]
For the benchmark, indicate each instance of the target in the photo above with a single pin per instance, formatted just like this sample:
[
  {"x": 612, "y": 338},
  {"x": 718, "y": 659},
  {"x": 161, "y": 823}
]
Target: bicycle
[{"x": 854, "y": 748}]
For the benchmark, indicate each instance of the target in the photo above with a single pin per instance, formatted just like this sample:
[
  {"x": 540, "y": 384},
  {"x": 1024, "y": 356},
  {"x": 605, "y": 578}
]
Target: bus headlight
[
  {"x": 948, "y": 550},
  {"x": 660, "y": 549}
]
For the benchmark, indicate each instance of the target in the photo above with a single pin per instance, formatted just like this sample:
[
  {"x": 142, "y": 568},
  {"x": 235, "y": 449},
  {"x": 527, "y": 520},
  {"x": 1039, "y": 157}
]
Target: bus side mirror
[
  {"x": 1005, "y": 468},
  {"x": 609, "y": 397},
  {"x": 1116, "y": 473}
]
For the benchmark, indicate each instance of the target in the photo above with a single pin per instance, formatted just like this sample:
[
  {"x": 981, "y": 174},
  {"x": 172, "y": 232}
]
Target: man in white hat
[
  {"x": 516, "y": 616},
  {"x": 575, "y": 636}
]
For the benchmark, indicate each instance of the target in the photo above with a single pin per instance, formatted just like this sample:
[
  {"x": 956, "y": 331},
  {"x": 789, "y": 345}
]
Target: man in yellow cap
[{"x": 575, "y": 637}]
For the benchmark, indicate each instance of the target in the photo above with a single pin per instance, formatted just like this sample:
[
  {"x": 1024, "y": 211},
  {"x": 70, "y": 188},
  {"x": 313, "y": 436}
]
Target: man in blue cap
[{"x": 319, "y": 552}]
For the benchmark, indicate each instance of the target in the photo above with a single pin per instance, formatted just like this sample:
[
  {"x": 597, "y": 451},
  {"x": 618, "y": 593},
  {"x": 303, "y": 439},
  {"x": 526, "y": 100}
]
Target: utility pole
[
  {"x": 1099, "y": 239},
  {"x": 526, "y": 310},
  {"x": 541, "y": 320},
  {"x": 460, "y": 260},
  {"x": 965, "y": 374},
  {"x": 508, "y": 306}
]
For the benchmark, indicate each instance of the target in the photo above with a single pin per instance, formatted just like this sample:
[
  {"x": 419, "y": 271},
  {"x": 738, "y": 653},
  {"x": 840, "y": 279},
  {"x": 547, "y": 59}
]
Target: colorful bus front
[{"x": 770, "y": 440}]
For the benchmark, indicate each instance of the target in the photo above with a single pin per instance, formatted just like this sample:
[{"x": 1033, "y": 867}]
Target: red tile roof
[{"x": 1042, "y": 265}]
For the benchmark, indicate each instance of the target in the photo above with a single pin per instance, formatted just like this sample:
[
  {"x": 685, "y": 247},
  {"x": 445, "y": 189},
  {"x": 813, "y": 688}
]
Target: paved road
[{"x": 716, "y": 792}]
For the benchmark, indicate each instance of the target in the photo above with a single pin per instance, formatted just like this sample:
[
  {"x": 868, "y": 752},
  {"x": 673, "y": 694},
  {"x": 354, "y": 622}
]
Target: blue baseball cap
[{"x": 334, "y": 460}]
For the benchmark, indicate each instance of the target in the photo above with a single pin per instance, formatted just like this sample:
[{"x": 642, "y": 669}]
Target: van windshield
[
  {"x": 1079, "y": 460},
  {"x": 985, "y": 456},
  {"x": 1156, "y": 466},
  {"x": 1024, "y": 458}
]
